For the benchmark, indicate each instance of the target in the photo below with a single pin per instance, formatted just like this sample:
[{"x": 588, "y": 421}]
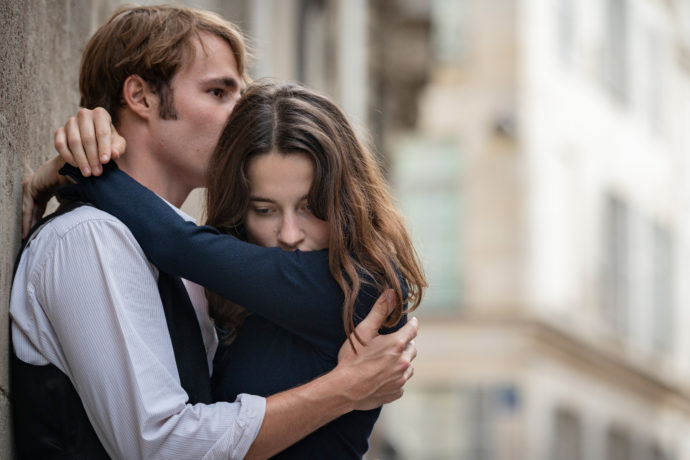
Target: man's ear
[{"x": 139, "y": 97}]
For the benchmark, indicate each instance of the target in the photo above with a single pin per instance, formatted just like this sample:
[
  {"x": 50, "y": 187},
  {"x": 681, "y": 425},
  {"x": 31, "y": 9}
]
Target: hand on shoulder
[{"x": 87, "y": 140}]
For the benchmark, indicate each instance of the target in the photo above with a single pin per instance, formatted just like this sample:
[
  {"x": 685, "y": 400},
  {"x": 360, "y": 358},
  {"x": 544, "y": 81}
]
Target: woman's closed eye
[
  {"x": 305, "y": 206},
  {"x": 262, "y": 210}
]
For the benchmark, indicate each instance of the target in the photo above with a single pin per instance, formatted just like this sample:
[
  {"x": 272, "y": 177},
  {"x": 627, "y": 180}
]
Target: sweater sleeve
[{"x": 295, "y": 290}]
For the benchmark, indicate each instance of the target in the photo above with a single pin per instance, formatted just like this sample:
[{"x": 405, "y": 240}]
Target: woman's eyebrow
[
  {"x": 269, "y": 200},
  {"x": 259, "y": 198}
]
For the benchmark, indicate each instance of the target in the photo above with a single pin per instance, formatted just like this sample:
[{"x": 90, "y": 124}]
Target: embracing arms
[
  {"x": 293, "y": 289},
  {"x": 104, "y": 327},
  {"x": 367, "y": 379},
  {"x": 310, "y": 302},
  {"x": 85, "y": 141}
]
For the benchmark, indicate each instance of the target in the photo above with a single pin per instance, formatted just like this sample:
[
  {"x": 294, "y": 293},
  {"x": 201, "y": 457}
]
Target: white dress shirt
[{"x": 85, "y": 299}]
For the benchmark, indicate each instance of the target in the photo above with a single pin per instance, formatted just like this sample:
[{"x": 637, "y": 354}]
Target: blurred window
[
  {"x": 652, "y": 451},
  {"x": 315, "y": 57},
  {"x": 426, "y": 173},
  {"x": 683, "y": 8},
  {"x": 566, "y": 30},
  {"x": 662, "y": 289},
  {"x": 653, "y": 95},
  {"x": 616, "y": 267},
  {"x": 448, "y": 422},
  {"x": 615, "y": 62},
  {"x": 567, "y": 440},
  {"x": 449, "y": 30},
  {"x": 618, "y": 445}
]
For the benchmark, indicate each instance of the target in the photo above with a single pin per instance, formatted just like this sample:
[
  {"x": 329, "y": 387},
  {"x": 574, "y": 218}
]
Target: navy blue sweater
[{"x": 296, "y": 331}]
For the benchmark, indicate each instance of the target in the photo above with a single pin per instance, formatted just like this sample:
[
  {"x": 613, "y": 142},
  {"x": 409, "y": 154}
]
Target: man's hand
[
  {"x": 89, "y": 140},
  {"x": 379, "y": 366}
]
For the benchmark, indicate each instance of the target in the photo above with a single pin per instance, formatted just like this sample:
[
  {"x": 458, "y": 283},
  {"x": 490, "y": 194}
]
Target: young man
[{"x": 89, "y": 315}]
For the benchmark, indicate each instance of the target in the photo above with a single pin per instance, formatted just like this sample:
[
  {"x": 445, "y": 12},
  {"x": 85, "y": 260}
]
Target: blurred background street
[{"x": 540, "y": 150}]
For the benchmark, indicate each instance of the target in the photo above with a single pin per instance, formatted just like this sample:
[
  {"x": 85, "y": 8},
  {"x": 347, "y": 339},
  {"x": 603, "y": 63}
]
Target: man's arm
[{"x": 369, "y": 375}]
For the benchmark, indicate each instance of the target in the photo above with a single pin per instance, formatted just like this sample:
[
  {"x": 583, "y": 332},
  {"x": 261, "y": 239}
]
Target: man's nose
[
  {"x": 290, "y": 234},
  {"x": 233, "y": 103}
]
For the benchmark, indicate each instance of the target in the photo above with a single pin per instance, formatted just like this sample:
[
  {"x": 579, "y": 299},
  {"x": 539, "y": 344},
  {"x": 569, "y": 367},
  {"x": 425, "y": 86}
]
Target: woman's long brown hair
[{"x": 367, "y": 236}]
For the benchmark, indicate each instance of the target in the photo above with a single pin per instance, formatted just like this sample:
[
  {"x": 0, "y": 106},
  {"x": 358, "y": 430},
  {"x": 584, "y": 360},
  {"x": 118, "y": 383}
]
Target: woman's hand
[
  {"x": 89, "y": 140},
  {"x": 86, "y": 141},
  {"x": 37, "y": 189}
]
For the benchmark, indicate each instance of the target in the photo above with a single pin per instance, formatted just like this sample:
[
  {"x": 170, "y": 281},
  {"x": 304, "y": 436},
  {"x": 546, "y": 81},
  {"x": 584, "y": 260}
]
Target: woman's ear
[{"x": 139, "y": 97}]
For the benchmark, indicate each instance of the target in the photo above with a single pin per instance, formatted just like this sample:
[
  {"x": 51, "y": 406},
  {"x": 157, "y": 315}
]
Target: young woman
[{"x": 290, "y": 174}]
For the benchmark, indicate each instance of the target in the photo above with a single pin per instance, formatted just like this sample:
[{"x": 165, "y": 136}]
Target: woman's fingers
[
  {"x": 86, "y": 123},
  {"x": 75, "y": 146},
  {"x": 119, "y": 144},
  {"x": 89, "y": 140},
  {"x": 369, "y": 327},
  {"x": 62, "y": 148},
  {"x": 102, "y": 129}
]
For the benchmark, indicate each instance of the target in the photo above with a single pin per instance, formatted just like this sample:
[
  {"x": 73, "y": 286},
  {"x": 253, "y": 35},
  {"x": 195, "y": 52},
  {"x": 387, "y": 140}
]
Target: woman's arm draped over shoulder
[{"x": 293, "y": 289}]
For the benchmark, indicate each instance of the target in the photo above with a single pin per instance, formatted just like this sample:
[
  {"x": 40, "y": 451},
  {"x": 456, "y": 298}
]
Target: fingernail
[
  {"x": 97, "y": 170},
  {"x": 414, "y": 318},
  {"x": 86, "y": 171},
  {"x": 104, "y": 158}
]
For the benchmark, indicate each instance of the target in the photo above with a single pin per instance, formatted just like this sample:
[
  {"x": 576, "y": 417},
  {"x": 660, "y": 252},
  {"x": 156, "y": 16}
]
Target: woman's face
[{"x": 279, "y": 213}]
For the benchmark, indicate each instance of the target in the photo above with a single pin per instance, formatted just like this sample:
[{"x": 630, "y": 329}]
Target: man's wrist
[
  {"x": 294, "y": 414},
  {"x": 342, "y": 380}
]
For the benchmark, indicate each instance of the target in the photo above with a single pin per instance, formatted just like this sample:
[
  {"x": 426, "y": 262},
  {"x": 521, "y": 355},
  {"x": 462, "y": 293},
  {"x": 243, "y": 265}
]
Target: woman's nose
[{"x": 290, "y": 234}]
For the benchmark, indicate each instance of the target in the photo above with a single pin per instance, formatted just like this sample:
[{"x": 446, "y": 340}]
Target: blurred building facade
[
  {"x": 544, "y": 172},
  {"x": 540, "y": 151}
]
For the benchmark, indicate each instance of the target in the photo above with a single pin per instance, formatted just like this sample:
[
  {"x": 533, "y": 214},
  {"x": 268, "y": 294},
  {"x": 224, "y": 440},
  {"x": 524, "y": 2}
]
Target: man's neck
[
  {"x": 154, "y": 176},
  {"x": 148, "y": 168}
]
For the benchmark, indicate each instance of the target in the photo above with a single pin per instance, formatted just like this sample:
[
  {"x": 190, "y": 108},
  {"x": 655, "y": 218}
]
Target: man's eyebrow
[{"x": 222, "y": 81}]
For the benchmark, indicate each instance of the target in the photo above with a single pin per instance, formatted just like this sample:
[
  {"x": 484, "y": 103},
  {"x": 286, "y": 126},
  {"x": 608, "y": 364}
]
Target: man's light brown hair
[{"x": 153, "y": 42}]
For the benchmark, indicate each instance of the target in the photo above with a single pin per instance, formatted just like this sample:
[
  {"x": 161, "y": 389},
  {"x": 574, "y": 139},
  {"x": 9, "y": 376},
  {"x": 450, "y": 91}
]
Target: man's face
[{"x": 204, "y": 92}]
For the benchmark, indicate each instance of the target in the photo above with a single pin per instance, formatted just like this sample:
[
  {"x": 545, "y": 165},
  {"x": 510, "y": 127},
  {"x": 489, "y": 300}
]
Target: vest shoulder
[{"x": 79, "y": 217}]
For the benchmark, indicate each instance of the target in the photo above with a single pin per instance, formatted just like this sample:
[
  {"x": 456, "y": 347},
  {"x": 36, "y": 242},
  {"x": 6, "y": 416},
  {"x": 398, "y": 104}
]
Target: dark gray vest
[{"x": 48, "y": 416}]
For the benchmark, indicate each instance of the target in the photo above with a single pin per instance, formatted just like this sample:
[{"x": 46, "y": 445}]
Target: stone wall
[{"x": 40, "y": 47}]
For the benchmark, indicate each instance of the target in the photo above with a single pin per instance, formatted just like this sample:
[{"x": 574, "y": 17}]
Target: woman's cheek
[
  {"x": 260, "y": 230},
  {"x": 321, "y": 235}
]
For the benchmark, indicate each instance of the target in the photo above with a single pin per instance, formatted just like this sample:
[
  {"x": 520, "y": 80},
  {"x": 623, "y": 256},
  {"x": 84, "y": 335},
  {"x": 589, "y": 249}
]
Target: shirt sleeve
[
  {"x": 108, "y": 334},
  {"x": 293, "y": 289}
]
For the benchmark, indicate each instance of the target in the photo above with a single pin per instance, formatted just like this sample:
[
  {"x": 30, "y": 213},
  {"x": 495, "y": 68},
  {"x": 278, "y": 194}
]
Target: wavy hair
[{"x": 368, "y": 239}]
